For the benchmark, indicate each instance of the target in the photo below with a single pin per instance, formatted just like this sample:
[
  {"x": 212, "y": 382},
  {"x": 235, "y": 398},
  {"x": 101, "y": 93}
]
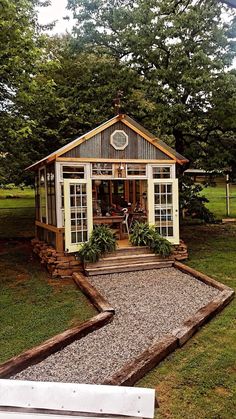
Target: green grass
[
  {"x": 198, "y": 380},
  {"x": 16, "y": 213},
  {"x": 17, "y": 192},
  {"x": 217, "y": 200},
  {"x": 33, "y": 306}
]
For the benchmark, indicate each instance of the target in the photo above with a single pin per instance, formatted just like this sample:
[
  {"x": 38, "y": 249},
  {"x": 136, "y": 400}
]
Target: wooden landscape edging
[
  {"x": 202, "y": 277},
  {"x": 190, "y": 326},
  {"x": 38, "y": 353},
  {"x": 151, "y": 357},
  {"x": 92, "y": 293},
  {"x": 56, "y": 343},
  {"x": 135, "y": 370}
]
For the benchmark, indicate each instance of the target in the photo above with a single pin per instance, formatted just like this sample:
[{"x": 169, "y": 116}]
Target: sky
[{"x": 56, "y": 12}]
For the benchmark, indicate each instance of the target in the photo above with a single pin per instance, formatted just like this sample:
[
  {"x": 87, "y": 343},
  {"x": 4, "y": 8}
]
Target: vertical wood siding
[{"x": 99, "y": 146}]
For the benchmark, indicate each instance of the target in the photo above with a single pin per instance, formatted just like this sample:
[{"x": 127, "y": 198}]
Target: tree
[
  {"x": 180, "y": 48},
  {"x": 20, "y": 51},
  {"x": 69, "y": 93}
]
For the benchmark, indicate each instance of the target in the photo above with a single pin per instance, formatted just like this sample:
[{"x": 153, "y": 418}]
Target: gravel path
[{"x": 148, "y": 305}]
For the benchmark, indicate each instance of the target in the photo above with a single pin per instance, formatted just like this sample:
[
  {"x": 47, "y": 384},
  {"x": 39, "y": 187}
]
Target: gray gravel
[{"x": 148, "y": 305}]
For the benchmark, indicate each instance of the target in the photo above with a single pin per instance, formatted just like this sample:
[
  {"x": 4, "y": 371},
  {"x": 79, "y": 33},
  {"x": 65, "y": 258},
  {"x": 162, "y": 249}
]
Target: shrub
[
  {"x": 192, "y": 202},
  {"x": 141, "y": 234},
  {"x": 89, "y": 252},
  {"x": 104, "y": 238},
  {"x": 145, "y": 235}
]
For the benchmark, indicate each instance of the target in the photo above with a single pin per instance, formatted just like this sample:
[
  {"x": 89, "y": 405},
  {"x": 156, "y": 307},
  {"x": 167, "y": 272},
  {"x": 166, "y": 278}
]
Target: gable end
[{"x": 99, "y": 146}]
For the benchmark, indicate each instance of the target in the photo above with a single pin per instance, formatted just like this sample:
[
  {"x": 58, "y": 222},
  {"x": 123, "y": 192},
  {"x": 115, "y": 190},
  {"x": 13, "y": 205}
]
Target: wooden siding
[{"x": 99, "y": 147}]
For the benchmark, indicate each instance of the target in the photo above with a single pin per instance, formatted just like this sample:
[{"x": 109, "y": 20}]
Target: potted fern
[
  {"x": 145, "y": 235},
  {"x": 102, "y": 240}
]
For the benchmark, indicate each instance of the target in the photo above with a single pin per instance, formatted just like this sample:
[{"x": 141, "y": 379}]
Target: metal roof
[{"x": 155, "y": 141}]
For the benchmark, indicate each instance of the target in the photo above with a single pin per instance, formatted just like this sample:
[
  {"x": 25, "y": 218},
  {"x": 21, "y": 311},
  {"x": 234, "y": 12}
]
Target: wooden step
[
  {"x": 135, "y": 250},
  {"x": 127, "y": 260},
  {"x": 130, "y": 256},
  {"x": 127, "y": 268}
]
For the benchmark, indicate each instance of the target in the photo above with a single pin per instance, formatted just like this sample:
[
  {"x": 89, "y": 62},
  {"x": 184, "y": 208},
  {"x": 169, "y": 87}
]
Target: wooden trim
[
  {"x": 49, "y": 227},
  {"x": 135, "y": 370},
  {"x": 200, "y": 276},
  {"x": 202, "y": 316},
  {"x": 153, "y": 142},
  {"x": 99, "y": 129},
  {"x": 52, "y": 345},
  {"x": 92, "y": 293},
  {"x": 59, "y": 242},
  {"x": 88, "y": 136},
  {"x": 95, "y": 159}
]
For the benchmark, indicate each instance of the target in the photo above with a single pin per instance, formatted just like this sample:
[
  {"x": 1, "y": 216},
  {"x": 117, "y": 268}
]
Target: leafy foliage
[
  {"x": 192, "y": 202},
  {"x": 171, "y": 59},
  {"x": 89, "y": 252},
  {"x": 141, "y": 234},
  {"x": 103, "y": 237},
  {"x": 182, "y": 50},
  {"x": 101, "y": 241},
  {"x": 160, "y": 245},
  {"x": 145, "y": 235}
]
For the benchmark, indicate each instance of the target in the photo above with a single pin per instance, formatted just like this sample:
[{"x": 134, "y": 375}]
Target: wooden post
[
  {"x": 227, "y": 196},
  {"x": 59, "y": 241}
]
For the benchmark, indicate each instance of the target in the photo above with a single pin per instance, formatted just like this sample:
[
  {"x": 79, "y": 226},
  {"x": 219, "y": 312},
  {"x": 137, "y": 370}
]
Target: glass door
[
  {"x": 78, "y": 212},
  {"x": 163, "y": 208}
]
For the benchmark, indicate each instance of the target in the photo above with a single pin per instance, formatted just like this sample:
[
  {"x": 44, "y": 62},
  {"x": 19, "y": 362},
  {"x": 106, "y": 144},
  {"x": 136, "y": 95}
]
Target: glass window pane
[
  {"x": 161, "y": 172},
  {"x": 73, "y": 237},
  {"x": 135, "y": 169},
  {"x": 163, "y": 201},
  {"x": 73, "y": 172},
  {"x": 78, "y": 201},
  {"x": 102, "y": 169}
]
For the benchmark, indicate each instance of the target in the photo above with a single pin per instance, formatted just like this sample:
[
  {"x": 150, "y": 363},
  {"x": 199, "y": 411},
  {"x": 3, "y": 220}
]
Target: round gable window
[{"x": 119, "y": 140}]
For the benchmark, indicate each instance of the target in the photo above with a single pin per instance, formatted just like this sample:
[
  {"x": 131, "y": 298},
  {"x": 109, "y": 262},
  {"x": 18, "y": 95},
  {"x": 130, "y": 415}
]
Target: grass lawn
[
  {"x": 32, "y": 306},
  {"x": 198, "y": 380},
  {"x": 217, "y": 200},
  {"x": 27, "y": 193},
  {"x": 16, "y": 213}
]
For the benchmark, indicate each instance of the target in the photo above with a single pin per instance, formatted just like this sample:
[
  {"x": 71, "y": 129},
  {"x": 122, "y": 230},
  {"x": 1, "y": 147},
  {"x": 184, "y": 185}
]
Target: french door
[
  {"x": 163, "y": 207},
  {"x": 78, "y": 212}
]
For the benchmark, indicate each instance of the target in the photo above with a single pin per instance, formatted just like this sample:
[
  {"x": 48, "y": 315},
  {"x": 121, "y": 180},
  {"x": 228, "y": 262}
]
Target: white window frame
[
  {"x": 71, "y": 164},
  {"x": 102, "y": 176},
  {"x": 46, "y": 195},
  {"x": 136, "y": 176},
  {"x": 59, "y": 181},
  {"x": 172, "y": 171},
  {"x": 112, "y": 139},
  {"x": 175, "y": 203},
  {"x": 74, "y": 247}
]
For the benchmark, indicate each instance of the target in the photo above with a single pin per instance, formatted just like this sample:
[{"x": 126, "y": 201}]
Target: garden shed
[{"x": 117, "y": 173}]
